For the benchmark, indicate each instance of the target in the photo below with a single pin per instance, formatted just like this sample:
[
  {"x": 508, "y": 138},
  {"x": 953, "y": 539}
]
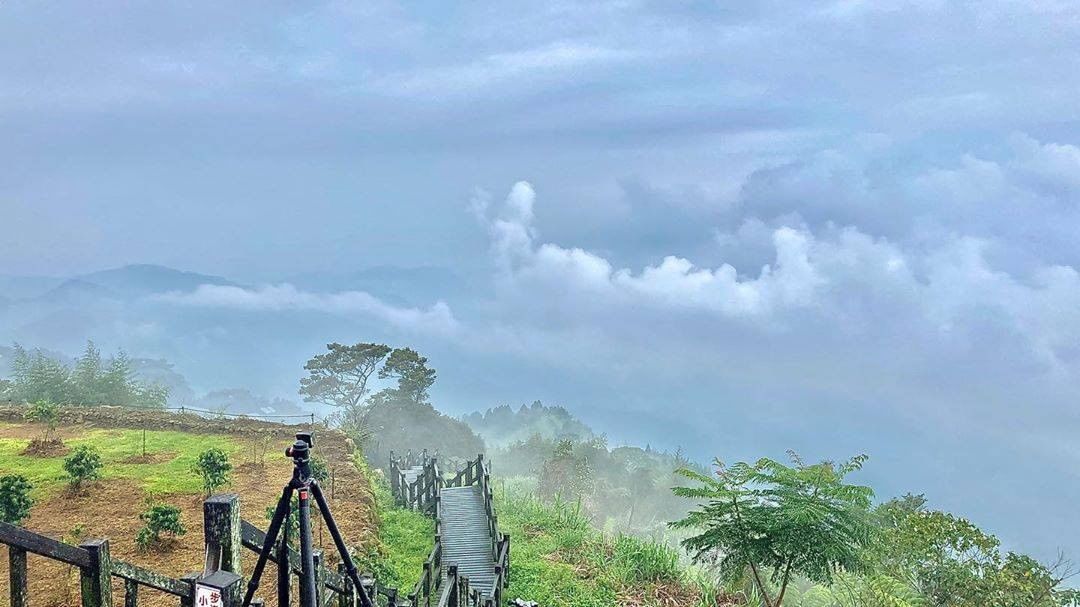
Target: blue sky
[{"x": 836, "y": 226}]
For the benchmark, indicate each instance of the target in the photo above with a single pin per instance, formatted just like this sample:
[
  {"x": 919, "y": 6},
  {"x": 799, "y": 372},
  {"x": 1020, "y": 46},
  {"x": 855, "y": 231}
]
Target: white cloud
[
  {"x": 551, "y": 59},
  {"x": 438, "y": 319},
  {"x": 938, "y": 301}
]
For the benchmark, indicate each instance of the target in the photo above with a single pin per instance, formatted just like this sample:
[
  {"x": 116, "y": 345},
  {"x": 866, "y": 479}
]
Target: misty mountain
[
  {"x": 144, "y": 279},
  {"x": 212, "y": 345},
  {"x": 25, "y": 287},
  {"x": 76, "y": 291}
]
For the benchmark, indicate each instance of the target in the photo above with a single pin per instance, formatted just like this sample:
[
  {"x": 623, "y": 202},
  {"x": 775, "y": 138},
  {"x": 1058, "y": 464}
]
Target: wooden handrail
[
  {"x": 44, "y": 546},
  {"x": 145, "y": 577}
]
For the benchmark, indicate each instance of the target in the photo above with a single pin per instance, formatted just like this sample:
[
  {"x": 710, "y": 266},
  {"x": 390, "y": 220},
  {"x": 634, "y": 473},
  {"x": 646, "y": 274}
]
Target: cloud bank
[{"x": 437, "y": 319}]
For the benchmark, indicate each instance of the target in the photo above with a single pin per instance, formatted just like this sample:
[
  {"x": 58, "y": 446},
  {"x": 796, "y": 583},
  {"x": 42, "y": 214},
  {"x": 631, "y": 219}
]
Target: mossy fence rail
[
  {"x": 469, "y": 564},
  {"x": 220, "y": 584}
]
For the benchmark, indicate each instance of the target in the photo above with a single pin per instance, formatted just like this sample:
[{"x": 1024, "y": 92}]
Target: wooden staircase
[{"x": 469, "y": 563}]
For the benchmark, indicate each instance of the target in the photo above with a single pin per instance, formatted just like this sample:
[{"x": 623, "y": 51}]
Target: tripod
[{"x": 305, "y": 488}]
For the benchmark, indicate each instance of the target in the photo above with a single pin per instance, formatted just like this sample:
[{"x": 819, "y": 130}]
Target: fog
[{"x": 837, "y": 227}]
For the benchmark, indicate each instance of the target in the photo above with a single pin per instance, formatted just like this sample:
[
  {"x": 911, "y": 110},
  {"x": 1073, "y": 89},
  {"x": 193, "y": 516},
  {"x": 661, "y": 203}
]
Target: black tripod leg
[
  {"x": 307, "y": 559},
  {"x": 283, "y": 568},
  {"x": 268, "y": 544},
  {"x": 331, "y": 525}
]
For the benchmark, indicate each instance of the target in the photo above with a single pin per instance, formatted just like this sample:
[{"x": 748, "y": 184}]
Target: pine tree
[
  {"x": 116, "y": 383},
  {"x": 86, "y": 378}
]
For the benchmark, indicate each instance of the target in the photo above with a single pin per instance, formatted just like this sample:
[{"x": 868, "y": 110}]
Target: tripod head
[{"x": 300, "y": 452}]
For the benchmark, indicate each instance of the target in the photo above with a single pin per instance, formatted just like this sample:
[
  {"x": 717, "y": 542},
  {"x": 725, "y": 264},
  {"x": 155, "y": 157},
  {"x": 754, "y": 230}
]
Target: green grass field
[{"x": 115, "y": 446}]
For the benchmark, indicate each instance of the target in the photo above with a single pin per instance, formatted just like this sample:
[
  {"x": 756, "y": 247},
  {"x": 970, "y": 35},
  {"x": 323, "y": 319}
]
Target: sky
[{"x": 835, "y": 226}]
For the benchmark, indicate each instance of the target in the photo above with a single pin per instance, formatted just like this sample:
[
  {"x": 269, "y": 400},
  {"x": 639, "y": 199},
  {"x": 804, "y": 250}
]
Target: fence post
[
  {"x": 95, "y": 579},
  {"x": 452, "y": 586},
  {"x": 225, "y": 584},
  {"x": 17, "y": 570},
  {"x": 131, "y": 593},
  {"x": 221, "y": 528},
  {"x": 320, "y": 588},
  {"x": 189, "y": 579},
  {"x": 347, "y": 598}
]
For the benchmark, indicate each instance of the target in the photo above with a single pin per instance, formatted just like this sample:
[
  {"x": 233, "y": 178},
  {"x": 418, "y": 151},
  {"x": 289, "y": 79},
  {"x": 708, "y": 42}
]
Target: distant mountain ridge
[
  {"x": 144, "y": 279},
  {"x": 115, "y": 283}
]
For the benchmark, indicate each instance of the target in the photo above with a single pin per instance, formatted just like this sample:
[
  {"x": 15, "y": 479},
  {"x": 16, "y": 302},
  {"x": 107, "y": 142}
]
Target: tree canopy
[
  {"x": 340, "y": 376},
  {"x": 779, "y": 521}
]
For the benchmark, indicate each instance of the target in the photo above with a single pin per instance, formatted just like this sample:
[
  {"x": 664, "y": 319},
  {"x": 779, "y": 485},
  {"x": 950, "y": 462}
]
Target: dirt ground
[{"x": 110, "y": 509}]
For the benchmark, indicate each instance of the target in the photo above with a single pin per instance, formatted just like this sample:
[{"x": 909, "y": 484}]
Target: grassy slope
[
  {"x": 173, "y": 476},
  {"x": 405, "y": 538},
  {"x": 557, "y": 558},
  {"x": 111, "y": 506}
]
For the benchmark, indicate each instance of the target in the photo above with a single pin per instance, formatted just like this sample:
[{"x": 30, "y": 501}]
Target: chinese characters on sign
[{"x": 205, "y": 596}]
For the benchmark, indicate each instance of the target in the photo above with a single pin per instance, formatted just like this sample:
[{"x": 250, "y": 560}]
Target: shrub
[
  {"x": 45, "y": 413},
  {"x": 158, "y": 519},
  {"x": 214, "y": 467},
  {"x": 320, "y": 470},
  {"x": 84, "y": 464},
  {"x": 15, "y": 500}
]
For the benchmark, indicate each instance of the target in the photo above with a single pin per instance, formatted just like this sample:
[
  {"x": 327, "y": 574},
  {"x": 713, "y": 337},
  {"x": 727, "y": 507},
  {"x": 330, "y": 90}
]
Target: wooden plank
[
  {"x": 252, "y": 537},
  {"x": 44, "y": 546},
  {"x": 17, "y": 576},
  {"x": 154, "y": 580}
]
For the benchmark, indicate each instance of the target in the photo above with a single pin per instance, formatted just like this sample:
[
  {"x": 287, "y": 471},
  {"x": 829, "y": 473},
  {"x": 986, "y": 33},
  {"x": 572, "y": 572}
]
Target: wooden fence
[
  {"x": 226, "y": 534},
  {"x": 419, "y": 493}
]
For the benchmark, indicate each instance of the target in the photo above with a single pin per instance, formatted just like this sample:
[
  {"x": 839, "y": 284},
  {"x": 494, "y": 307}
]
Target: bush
[
  {"x": 15, "y": 500},
  {"x": 159, "y": 519},
  {"x": 45, "y": 413},
  {"x": 320, "y": 470},
  {"x": 214, "y": 467},
  {"x": 84, "y": 464}
]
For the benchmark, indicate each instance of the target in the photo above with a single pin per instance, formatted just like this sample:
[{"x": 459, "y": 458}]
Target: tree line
[{"x": 91, "y": 380}]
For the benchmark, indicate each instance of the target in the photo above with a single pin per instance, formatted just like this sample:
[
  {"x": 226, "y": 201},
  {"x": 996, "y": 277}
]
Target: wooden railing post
[
  {"x": 95, "y": 579},
  {"x": 347, "y": 598},
  {"x": 189, "y": 579},
  {"x": 320, "y": 576},
  {"x": 221, "y": 525},
  {"x": 506, "y": 574},
  {"x": 452, "y": 586},
  {"x": 425, "y": 582},
  {"x": 17, "y": 577},
  {"x": 131, "y": 593},
  {"x": 225, "y": 584}
]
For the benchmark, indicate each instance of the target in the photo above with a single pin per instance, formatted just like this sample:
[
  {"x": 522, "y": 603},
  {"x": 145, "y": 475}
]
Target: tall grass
[
  {"x": 558, "y": 558},
  {"x": 405, "y": 538},
  {"x": 636, "y": 561}
]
